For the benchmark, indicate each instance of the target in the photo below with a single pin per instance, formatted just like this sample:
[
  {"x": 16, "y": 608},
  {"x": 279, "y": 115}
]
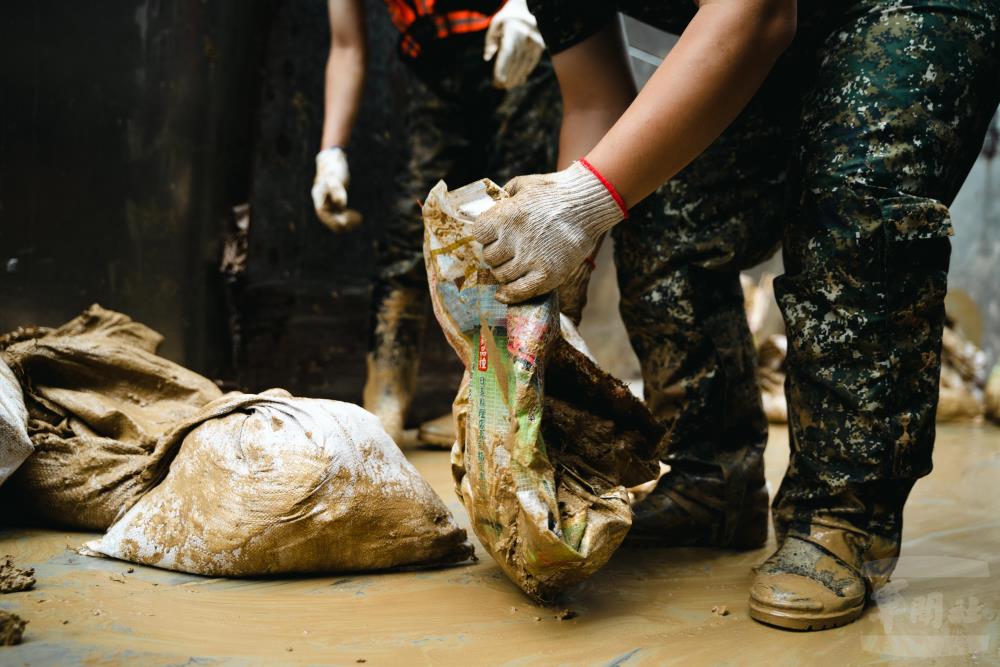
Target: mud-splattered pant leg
[
  {"x": 900, "y": 102},
  {"x": 458, "y": 128},
  {"x": 678, "y": 258},
  {"x": 399, "y": 295}
]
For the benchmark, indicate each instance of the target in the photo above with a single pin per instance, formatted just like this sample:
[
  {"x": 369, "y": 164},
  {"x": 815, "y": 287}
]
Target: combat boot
[
  {"x": 388, "y": 392},
  {"x": 822, "y": 579},
  {"x": 694, "y": 504}
]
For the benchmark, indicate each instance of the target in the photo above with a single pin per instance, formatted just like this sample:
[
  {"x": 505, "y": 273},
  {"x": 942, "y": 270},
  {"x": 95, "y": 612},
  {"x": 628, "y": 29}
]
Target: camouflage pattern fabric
[
  {"x": 901, "y": 95},
  {"x": 458, "y": 128},
  {"x": 849, "y": 154},
  {"x": 678, "y": 258}
]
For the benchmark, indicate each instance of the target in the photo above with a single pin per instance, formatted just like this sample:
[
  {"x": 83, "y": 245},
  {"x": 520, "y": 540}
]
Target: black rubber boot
[{"x": 725, "y": 505}]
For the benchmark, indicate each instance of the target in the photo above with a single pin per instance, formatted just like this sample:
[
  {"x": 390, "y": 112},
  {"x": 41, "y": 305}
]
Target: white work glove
[
  {"x": 514, "y": 39},
  {"x": 547, "y": 227},
  {"x": 329, "y": 191}
]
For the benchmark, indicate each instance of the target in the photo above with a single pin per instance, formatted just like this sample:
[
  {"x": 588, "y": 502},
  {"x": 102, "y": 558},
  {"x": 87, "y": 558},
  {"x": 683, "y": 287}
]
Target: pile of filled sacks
[
  {"x": 98, "y": 432},
  {"x": 966, "y": 394}
]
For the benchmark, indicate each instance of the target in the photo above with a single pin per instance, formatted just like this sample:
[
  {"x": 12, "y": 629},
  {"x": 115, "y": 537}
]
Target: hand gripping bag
[{"x": 547, "y": 442}]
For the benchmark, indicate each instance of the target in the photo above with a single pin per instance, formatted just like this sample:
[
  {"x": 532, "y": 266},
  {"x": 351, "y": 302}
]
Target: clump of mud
[
  {"x": 11, "y": 628},
  {"x": 593, "y": 422},
  {"x": 13, "y": 578}
]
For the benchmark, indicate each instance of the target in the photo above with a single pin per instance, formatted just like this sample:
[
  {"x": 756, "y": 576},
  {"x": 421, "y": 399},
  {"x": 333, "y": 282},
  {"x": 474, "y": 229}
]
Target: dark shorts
[{"x": 565, "y": 23}]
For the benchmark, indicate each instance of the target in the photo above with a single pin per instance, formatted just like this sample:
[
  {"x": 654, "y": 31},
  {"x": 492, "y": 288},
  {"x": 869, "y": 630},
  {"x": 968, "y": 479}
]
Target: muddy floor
[{"x": 648, "y": 607}]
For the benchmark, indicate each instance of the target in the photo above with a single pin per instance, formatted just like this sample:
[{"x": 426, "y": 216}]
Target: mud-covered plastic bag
[
  {"x": 15, "y": 444},
  {"x": 547, "y": 442},
  {"x": 268, "y": 483},
  {"x": 99, "y": 399}
]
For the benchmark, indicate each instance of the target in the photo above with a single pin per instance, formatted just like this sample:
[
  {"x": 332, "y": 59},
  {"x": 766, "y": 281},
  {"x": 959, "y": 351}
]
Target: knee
[{"x": 865, "y": 265}]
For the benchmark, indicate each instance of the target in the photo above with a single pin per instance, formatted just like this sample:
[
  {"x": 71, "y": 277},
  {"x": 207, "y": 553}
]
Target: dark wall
[
  {"x": 129, "y": 130},
  {"x": 125, "y": 134},
  {"x": 305, "y": 306}
]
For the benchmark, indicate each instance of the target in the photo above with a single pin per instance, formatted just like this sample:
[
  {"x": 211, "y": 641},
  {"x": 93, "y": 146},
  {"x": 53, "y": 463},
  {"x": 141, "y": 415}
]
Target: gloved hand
[
  {"x": 547, "y": 227},
  {"x": 514, "y": 39},
  {"x": 329, "y": 191}
]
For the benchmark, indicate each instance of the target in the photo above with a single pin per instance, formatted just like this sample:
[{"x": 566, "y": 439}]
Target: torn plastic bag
[{"x": 547, "y": 442}]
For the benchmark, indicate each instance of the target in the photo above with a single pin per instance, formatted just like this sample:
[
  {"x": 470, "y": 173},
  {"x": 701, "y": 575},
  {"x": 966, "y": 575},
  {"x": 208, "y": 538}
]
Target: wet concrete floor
[{"x": 648, "y": 607}]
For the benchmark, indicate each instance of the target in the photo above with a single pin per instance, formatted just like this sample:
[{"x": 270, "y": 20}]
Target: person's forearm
[
  {"x": 597, "y": 87},
  {"x": 345, "y": 71},
  {"x": 582, "y": 130},
  {"x": 345, "y": 75},
  {"x": 708, "y": 77}
]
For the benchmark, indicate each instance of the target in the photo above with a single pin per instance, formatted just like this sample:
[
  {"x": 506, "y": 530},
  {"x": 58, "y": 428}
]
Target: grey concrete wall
[{"x": 975, "y": 261}]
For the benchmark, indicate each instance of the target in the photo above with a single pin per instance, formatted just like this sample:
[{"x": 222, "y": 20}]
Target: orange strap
[
  {"x": 462, "y": 21},
  {"x": 401, "y": 14},
  {"x": 404, "y": 14}
]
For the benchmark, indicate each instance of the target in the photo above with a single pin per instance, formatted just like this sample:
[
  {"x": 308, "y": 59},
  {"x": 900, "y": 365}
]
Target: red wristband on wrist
[{"x": 607, "y": 184}]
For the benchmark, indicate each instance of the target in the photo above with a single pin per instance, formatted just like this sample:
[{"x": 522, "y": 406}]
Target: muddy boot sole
[
  {"x": 787, "y": 619},
  {"x": 805, "y": 586}
]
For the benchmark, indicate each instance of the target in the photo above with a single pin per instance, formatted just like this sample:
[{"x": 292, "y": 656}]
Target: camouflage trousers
[
  {"x": 848, "y": 156},
  {"x": 457, "y": 127}
]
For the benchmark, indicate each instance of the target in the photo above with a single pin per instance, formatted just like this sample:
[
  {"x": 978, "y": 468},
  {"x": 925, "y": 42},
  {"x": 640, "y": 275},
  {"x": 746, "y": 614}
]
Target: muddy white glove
[
  {"x": 514, "y": 39},
  {"x": 547, "y": 227},
  {"x": 329, "y": 191}
]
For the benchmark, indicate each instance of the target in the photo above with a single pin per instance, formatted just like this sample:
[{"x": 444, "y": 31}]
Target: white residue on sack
[
  {"x": 15, "y": 445},
  {"x": 269, "y": 483}
]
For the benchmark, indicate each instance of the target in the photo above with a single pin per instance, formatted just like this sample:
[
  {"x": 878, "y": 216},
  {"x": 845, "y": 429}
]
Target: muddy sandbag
[
  {"x": 956, "y": 398},
  {"x": 99, "y": 399},
  {"x": 962, "y": 377},
  {"x": 547, "y": 442},
  {"x": 11, "y": 628},
  {"x": 15, "y": 444},
  {"x": 268, "y": 483}
]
